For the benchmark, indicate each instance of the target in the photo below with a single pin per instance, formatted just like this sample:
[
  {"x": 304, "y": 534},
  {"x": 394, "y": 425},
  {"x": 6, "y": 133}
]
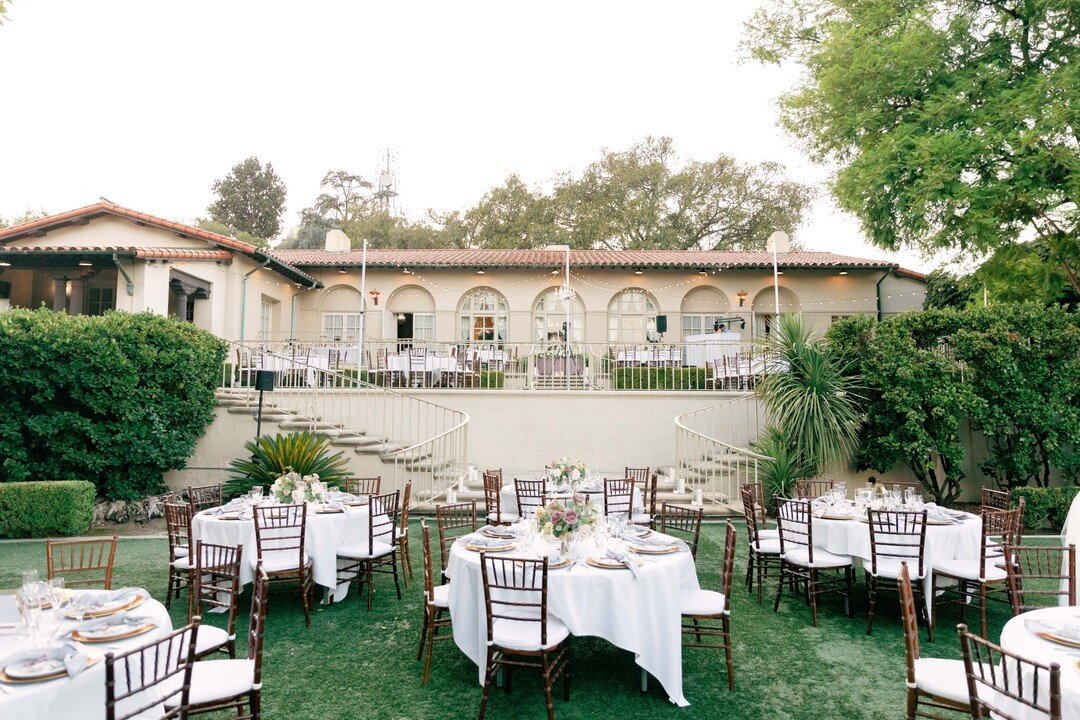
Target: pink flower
[
  {"x": 556, "y": 518},
  {"x": 571, "y": 516}
]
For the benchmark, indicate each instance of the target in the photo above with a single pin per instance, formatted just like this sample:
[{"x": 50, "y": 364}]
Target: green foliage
[
  {"x": 27, "y": 215},
  {"x": 117, "y": 399},
  {"x": 508, "y": 216},
  {"x": 639, "y": 378},
  {"x": 250, "y": 199},
  {"x": 784, "y": 467},
  {"x": 268, "y": 458},
  {"x": 222, "y": 229},
  {"x": 45, "y": 508},
  {"x": 1045, "y": 508},
  {"x": 1024, "y": 272},
  {"x": 952, "y": 122},
  {"x": 946, "y": 290}
]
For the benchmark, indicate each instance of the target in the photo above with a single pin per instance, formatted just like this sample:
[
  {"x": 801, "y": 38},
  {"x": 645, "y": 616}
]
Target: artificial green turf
[{"x": 357, "y": 664}]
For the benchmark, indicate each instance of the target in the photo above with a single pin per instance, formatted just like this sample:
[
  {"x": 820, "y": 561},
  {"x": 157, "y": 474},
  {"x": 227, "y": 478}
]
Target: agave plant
[
  {"x": 812, "y": 401},
  {"x": 270, "y": 457},
  {"x": 784, "y": 467}
]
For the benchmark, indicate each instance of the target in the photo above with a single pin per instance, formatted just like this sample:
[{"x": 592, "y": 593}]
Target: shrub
[
  {"x": 644, "y": 378},
  {"x": 784, "y": 468},
  {"x": 1045, "y": 508},
  {"x": 117, "y": 400},
  {"x": 269, "y": 458},
  {"x": 44, "y": 508}
]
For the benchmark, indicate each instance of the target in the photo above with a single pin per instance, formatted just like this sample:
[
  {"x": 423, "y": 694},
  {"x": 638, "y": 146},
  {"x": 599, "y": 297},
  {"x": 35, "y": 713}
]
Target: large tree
[
  {"x": 508, "y": 216},
  {"x": 250, "y": 199},
  {"x": 953, "y": 124},
  {"x": 24, "y": 217}
]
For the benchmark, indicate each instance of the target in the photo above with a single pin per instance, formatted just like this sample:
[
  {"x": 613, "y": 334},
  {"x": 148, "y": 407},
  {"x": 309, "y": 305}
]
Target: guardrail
[{"x": 712, "y": 448}]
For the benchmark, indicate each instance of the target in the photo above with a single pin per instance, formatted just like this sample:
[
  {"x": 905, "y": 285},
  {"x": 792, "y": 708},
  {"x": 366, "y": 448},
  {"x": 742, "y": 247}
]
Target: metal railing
[
  {"x": 423, "y": 441},
  {"x": 702, "y": 366},
  {"x": 712, "y": 448}
]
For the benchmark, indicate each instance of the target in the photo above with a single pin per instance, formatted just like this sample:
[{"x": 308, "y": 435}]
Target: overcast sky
[{"x": 146, "y": 103}]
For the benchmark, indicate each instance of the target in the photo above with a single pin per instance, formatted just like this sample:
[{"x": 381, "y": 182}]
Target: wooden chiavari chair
[
  {"x": 763, "y": 550},
  {"x": 531, "y": 495},
  {"x": 235, "y": 684},
  {"x": 801, "y": 562},
  {"x": 648, "y": 484},
  {"x": 280, "y": 531},
  {"x": 378, "y": 553},
  {"x": 812, "y": 489},
  {"x": 932, "y": 683},
  {"x": 82, "y": 562},
  {"x": 682, "y": 522},
  {"x": 619, "y": 498},
  {"x": 1002, "y": 684},
  {"x": 702, "y": 607},
  {"x": 453, "y": 521},
  {"x": 363, "y": 485},
  {"x": 983, "y": 573},
  {"x": 141, "y": 683},
  {"x": 181, "y": 565},
  {"x": 436, "y": 606},
  {"x": 520, "y": 632},
  {"x": 418, "y": 373},
  {"x": 204, "y": 497},
  {"x": 1040, "y": 572},
  {"x": 217, "y": 585},
  {"x": 993, "y": 500},
  {"x": 896, "y": 539},
  {"x": 493, "y": 501},
  {"x": 401, "y": 535}
]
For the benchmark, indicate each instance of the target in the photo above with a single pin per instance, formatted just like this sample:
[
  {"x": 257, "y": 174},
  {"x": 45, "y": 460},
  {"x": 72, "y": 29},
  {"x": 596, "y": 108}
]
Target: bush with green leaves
[
  {"x": 646, "y": 378},
  {"x": 1045, "y": 508},
  {"x": 784, "y": 467},
  {"x": 117, "y": 400},
  {"x": 46, "y": 508},
  {"x": 268, "y": 458}
]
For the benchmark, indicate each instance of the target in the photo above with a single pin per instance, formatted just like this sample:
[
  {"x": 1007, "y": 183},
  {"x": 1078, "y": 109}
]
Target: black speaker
[
  {"x": 264, "y": 379},
  {"x": 661, "y": 323}
]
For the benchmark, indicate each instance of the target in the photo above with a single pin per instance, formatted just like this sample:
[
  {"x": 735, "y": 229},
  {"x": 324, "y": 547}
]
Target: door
[{"x": 404, "y": 329}]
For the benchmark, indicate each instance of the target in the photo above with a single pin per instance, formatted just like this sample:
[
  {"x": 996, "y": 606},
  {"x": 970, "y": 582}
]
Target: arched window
[
  {"x": 340, "y": 310},
  {"x": 764, "y": 307},
  {"x": 549, "y": 317},
  {"x": 482, "y": 316},
  {"x": 701, "y": 308},
  {"x": 632, "y": 317}
]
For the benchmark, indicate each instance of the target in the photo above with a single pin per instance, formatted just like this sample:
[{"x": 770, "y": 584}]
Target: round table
[
  {"x": 1017, "y": 638},
  {"x": 82, "y": 696},
  {"x": 639, "y": 614},
  {"x": 324, "y": 534}
]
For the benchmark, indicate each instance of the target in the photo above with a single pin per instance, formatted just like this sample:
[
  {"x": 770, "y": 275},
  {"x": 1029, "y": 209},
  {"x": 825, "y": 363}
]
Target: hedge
[
  {"x": 646, "y": 378},
  {"x": 45, "y": 508},
  {"x": 1045, "y": 508},
  {"x": 117, "y": 400}
]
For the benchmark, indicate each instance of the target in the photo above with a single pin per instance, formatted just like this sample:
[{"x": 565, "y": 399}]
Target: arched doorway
[{"x": 764, "y": 308}]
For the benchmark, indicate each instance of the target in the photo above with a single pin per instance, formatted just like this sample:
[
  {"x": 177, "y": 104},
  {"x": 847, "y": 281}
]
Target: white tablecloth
[
  {"x": 309, "y": 365},
  {"x": 639, "y": 615},
  {"x": 345, "y": 355},
  {"x": 508, "y": 499},
  {"x": 701, "y": 350},
  {"x": 83, "y": 696},
  {"x": 432, "y": 363},
  {"x": 1016, "y": 638},
  {"x": 324, "y": 534}
]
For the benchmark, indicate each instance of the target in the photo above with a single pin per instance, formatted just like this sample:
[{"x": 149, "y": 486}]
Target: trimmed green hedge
[
  {"x": 1045, "y": 508},
  {"x": 639, "y": 378},
  {"x": 44, "y": 508},
  {"x": 118, "y": 400}
]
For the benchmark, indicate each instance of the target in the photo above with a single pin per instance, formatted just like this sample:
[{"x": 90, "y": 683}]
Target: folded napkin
[
  {"x": 625, "y": 558},
  {"x": 121, "y": 618},
  {"x": 503, "y": 531},
  {"x": 659, "y": 541},
  {"x": 939, "y": 514},
  {"x": 481, "y": 541},
  {"x": 73, "y": 658},
  {"x": 91, "y": 600}
]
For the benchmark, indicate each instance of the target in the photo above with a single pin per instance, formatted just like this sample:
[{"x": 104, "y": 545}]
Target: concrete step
[
  {"x": 379, "y": 448},
  {"x": 356, "y": 441}
]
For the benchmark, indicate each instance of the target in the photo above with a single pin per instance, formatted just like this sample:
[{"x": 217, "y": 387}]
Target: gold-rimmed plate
[
  {"x": 606, "y": 563},
  {"x": 329, "y": 511},
  {"x": 53, "y": 675},
  {"x": 1058, "y": 639},
  {"x": 497, "y": 534},
  {"x": 111, "y": 609},
  {"x": 654, "y": 549},
  {"x": 491, "y": 548},
  {"x": 123, "y": 634}
]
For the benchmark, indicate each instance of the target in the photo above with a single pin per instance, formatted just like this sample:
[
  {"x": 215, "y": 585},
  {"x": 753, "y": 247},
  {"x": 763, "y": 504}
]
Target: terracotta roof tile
[{"x": 141, "y": 252}]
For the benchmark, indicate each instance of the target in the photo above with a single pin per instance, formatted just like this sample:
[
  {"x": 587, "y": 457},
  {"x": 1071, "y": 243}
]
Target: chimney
[{"x": 338, "y": 241}]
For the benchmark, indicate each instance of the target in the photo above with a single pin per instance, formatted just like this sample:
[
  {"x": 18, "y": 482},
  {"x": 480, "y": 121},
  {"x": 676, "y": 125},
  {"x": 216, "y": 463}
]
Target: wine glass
[
  {"x": 29, "y": 581},
  {"x": 57, "y": 596},
  {"x": 257, "y": 493},
  {"x": 48, "y": 623}
]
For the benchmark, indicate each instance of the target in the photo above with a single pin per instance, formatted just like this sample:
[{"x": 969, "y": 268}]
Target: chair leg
[
  {"x": 566, "y": 678},
  {"x": 489, "y": 676},
  {"x": 423, "y": 631},
  {"x": 871, "y": 602},
  {"x": 725, "y": 624},
  {"x": 812, "y": 592},
  {"x": 779, "y": 589},
  {"x": 849, "y": 599},
  {"x": 547, "y": 687},
  {"x": 761, "y": 572},
  {"x": 305, "y": 594},
  {"x": 433, "y": 617},
  {"x": 394, "y": 563},
  {"x": 169, "y": 592},
  {"x": 912, "y": 703},
  {"x": 255, "y": 703},
  {"x": 933, "y": 601},
  {"x": 370, "y": 583},
  {"x": 982, "y": 608}
]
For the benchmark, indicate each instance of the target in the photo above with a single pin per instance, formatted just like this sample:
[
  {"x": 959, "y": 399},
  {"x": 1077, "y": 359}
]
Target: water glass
[
  {"x": 57, "y": 595},
  {"x": 29, "y": 581},
  {"x": 257, "y": 493},
  {"x": 48, "y": 624}
]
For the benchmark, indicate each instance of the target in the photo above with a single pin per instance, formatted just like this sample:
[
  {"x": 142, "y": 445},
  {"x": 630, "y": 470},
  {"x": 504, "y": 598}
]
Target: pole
[
  {"x": 258, "y": 421},
  {"x": 776, "y": 283},
  {"x": 363, "y": 307},
  {"x": 569, "y": 310}
]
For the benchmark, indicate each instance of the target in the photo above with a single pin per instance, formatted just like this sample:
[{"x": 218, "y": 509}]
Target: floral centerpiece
[
  {"x": 564, "y": 472},
  {"x": 292, "y": 488},
  {"x": 562, "y": 519}
]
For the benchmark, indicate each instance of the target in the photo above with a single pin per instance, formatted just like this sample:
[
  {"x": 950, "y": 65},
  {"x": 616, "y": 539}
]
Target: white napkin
[
  {"x": 73, "y": 658},
  {"x": 481, "y": 541},
  {"x": 90, "y": 600},
  {"x": 655, "y": 541},
  {"x": 501, "y": 530},
  {"x": 625, "y": 558},
  {"x": 124, "y": 618}
]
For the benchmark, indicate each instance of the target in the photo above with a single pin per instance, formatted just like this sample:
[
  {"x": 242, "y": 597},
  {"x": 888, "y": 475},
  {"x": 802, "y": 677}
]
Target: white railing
[
  {"x": 712, "y": 448},
  {"x": 423, "y": 441}
]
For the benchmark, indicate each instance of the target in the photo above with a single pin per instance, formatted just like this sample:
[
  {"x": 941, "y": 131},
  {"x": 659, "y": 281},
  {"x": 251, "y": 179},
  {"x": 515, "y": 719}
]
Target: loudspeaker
[
  {"x": 264, "y": 380},
  {"x": 661, "y": 323}
]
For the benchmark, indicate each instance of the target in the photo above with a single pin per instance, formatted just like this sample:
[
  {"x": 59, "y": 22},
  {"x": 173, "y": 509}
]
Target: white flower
[{"x": 575, "y": 474}]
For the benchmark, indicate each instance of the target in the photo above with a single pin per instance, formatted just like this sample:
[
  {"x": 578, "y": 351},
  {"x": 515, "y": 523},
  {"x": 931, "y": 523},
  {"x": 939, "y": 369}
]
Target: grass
[{"x": 357, "y": 664}]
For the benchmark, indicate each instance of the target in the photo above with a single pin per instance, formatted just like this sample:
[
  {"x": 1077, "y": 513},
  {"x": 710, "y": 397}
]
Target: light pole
[
  {"x": 778, "y": 242},
  {"x": 363, "y": 308}
]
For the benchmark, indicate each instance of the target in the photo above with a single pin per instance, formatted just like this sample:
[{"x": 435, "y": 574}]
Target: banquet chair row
[{"x": 82, "y": 563}]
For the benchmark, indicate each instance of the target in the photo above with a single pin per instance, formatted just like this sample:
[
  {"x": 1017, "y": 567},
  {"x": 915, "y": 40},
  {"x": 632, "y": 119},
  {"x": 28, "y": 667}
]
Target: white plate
[{"x": 29, "y": 669}]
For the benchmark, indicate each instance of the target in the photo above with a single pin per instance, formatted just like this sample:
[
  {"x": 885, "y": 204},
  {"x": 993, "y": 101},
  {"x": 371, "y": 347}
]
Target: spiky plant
[
  {"x": 270, "y": 457},
  {"x": 784, "y": 467}
]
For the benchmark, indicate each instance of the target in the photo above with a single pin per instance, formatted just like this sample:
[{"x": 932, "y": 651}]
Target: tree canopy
[{"x": 250, "y": 199}]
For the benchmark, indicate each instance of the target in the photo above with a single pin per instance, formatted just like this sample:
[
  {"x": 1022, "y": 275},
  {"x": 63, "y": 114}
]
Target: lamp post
[
  {"x": 778, "y": 242},
  {"x": 363, "y": 307}
]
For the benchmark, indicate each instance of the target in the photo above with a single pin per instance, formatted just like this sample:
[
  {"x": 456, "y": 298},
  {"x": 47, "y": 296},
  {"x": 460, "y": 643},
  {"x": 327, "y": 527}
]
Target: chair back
[
  {"x": 811, "y": 489},
  {"x": 429, "y": 565},
  {"x": 753, "y": 510},
  {"x": 82, "y": 562},
  {"x": 363, "y": 485},
  {"x": 793, "y": 520},
  {"x": 638, "y": 475},
  {"x": 1040, "y": 572},
  {"x": 910, "y": 619},
  {"x": 530, "y": 496},
  {"x": 403, "y": 520},
  {"x": 897, "y": 535},
  {"x": 998, "y": 530},
  {"x": 178, "y": 528},
  {"x": 153, "y": 680},
  {"x": 382, "y": 519},
  {"x": 217, "y": 579},
  {"x": 257, "y": 620},
  {"x": 994, "y": 499},
  {"x": 727, "y": 567},
  {"x": 279, "y": 533},
  {"x": 204, "y": 497},
  {"x": 492, "y": 487},
  {"x": 453, "y": 521},
  {"x": 682, "y": 522},
  {"x": 515, "y": 589},
  {"x": 1005, "y": 686},
  {"x": 618, "y": 497}
]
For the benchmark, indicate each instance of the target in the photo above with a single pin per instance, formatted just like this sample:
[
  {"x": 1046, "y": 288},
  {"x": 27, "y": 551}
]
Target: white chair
[{"x": 379, "y": 552}]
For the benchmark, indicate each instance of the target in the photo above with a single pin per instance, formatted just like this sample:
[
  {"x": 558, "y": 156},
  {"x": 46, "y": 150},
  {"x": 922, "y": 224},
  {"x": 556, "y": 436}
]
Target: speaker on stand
[{"x": 264, "y": 381}]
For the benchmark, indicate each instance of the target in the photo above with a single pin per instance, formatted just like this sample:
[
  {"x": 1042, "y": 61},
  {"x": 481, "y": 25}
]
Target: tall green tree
[
  {"x": 508, "y": 216},
  {"x": 953, "y": 124},
  {"x": 250, "y": 199},
  {"x": 344, "y": 199},
  {"x": 947, "y": 290}
]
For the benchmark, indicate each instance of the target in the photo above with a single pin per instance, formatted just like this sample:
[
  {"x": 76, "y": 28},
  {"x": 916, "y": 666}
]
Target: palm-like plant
[
  {"x": 271, "y": 457},
  {"x": 784, "y": 467},
  {"x": 812, "y": 401}
]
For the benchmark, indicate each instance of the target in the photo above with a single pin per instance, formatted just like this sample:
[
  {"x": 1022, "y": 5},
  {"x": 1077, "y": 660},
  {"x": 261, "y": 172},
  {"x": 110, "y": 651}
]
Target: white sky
[{"x": 146, "y": 103}]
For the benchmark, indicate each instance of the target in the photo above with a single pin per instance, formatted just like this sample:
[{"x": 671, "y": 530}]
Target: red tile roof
[{"x": 139, "y": 252}]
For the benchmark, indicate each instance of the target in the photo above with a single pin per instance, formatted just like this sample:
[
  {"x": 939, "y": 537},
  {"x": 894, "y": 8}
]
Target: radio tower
[{"x": 386, "y": 189}]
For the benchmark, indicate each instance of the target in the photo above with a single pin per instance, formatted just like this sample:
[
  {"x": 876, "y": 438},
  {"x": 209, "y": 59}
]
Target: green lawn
[{"x": 357, "y": 664}]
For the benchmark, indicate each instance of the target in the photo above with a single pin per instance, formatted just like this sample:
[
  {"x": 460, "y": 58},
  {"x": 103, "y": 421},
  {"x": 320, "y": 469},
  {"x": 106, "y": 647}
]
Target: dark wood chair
[
  {"x": 618, "y": 498},
  {"x": 280, "y": 531},
  {"x": 453, "y": 521},
  {"x": 648, "y": 484},
  {"x": 217, "y": 586},
  {"x": 1040, "y": 572},
  {"x": 82, "y": 563},
  {"x": 763, "y": 546},
  {"x": 704, "y": 608},
  {"x": 363, "y": 485},
  {"x": 933, "y": 684},
  {"x": 182, "y": 564},
  {"x": 401, "y": 534},
  {"x": 897, "y": 539},
  {"x": 811, "y": 489},
  {"x": 520, "y": 631},
  {"x": 204, "y": 497},
  {"x": 993, "y": 500},
  {"x": 378, "y": 553},
  {"x": 138, "y": 681},
  {"x": 493, "y": 502},
  {"x": 682, "y": 522},
  {"x": 531, "y": 495},
  {"x": 993, "y": 688},
  {"x": 436, "y": 606},
  {"x": 822, "y": 572}
]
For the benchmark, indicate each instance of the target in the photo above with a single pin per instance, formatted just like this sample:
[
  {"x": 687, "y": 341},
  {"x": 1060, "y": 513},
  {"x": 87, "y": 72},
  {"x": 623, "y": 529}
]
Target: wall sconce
[
  {"x": 480, "y": 272},
  {"x": 639, "y": 271},
  {"x": 401, "y": 317},
  {"x": 341, "y": 271},
  {"x": 742, "y": 294},
  {"x": 374, "y": 297},
  {"x": 842, "y": 272}
]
